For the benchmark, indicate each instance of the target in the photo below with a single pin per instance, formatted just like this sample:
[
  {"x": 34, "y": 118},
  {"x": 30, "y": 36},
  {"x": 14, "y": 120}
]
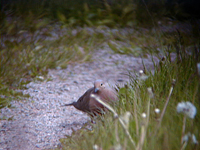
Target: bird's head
[{"x": 99, "y": 85}]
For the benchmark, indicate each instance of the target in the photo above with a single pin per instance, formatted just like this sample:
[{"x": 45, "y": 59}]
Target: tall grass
[
  {"x": 29, "y": 47},
  {"x": 157, "y": 132},
  {"x": 89, "y": 12},
  {"x": 22, "y": 58},
  {"x": 31, "y": 41}
]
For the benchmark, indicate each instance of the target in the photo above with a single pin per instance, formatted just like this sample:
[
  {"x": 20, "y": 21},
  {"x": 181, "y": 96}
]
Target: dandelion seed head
[
  {"x": 157, "y": 110},
  {"x": 141, "y": 71},
  {"x": 187, "y": 108},
  {"x": 190, "y": 136},
  {"x": 144, "y": 115},
  {"x": 186, "y": 138},
  {"x": 194, "y": 140},
  {"x": 95, "y": 147}
]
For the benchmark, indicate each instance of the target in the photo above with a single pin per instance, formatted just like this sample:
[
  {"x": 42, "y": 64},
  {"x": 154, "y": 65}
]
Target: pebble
[
  {"x": 41, "y": 118},
  {"x": 37, "y": 145},
  {"x": 76, "y": 82}
]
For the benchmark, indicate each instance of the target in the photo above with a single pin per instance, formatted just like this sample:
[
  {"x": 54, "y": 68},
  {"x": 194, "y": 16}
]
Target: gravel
[{"x": 39, "y": 121}]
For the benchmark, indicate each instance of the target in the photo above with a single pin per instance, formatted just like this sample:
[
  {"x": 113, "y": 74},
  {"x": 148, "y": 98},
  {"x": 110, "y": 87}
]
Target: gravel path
[{"x": 39, "y": 122}]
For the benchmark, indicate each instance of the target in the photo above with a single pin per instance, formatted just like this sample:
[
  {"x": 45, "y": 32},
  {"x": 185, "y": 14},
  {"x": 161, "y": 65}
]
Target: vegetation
[
  {"x": 173, "y": 82},
  {"x": 32, "y": 41}
]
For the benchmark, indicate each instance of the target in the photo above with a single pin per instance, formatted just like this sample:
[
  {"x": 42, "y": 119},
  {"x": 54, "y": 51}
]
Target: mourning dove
[{"x": 88, "y": 104}]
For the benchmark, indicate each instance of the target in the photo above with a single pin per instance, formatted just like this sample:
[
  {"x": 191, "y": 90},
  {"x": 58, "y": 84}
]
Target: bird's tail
[{"x": 70, "y": 104}]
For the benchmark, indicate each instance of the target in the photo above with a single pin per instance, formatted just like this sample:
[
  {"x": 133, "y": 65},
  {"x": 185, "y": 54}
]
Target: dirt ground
[{"x": 39, "y": 122}]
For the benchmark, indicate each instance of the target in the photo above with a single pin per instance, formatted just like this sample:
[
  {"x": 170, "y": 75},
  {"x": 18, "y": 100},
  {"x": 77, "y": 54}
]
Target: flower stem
[
  {"x": 116, "y": 116},
  {"x": 166, "y": 103},
  {"x": 183, "y": 129},
  {"x": 136, "y": 118},
  {"x": 144, "y": 128},
  {"x": 184, "y": 145}
]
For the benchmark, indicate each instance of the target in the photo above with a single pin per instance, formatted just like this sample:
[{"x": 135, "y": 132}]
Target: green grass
[
  {"x": 22, "y": 59},
  {"x": 134, "y": 98},
  {"x": 27, "y": 53},
  {"x": 33, "y": 42},
  {"x": 87, "y": 12},
  {"x": 26, "y": 28}
]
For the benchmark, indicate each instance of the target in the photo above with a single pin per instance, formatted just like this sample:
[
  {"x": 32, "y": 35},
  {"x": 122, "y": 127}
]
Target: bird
[{"x": 88, "y": 104}]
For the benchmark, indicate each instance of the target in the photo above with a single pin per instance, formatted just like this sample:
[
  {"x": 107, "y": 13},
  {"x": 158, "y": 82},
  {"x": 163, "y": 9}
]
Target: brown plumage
[{"x": 88, "y": 104}]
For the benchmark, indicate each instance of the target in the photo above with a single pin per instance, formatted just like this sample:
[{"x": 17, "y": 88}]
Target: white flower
[
  {"x": 95, "y": 147},
  {"x": 141, "y": 72},
  {"x": 187, "y": 108},
  {"x": 144, "y": 115},
  {"x": 191, "y": 136},
  {"x": 157, "y": 110},
  {"x": 186, "y": 137},
  {"x": 194, "y": 140}
]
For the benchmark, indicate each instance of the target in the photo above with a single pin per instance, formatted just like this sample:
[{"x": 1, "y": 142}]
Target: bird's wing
[
  {"x": 83, "y": 101},
  {"x": 108, "y": 95}
]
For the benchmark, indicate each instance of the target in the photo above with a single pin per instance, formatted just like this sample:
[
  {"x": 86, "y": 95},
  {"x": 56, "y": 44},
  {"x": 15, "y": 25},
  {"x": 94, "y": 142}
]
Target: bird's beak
[{"x": 96, "y": 90}]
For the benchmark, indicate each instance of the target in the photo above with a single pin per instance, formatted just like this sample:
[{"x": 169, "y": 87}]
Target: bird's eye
[{"x": 101, "y": 84}]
